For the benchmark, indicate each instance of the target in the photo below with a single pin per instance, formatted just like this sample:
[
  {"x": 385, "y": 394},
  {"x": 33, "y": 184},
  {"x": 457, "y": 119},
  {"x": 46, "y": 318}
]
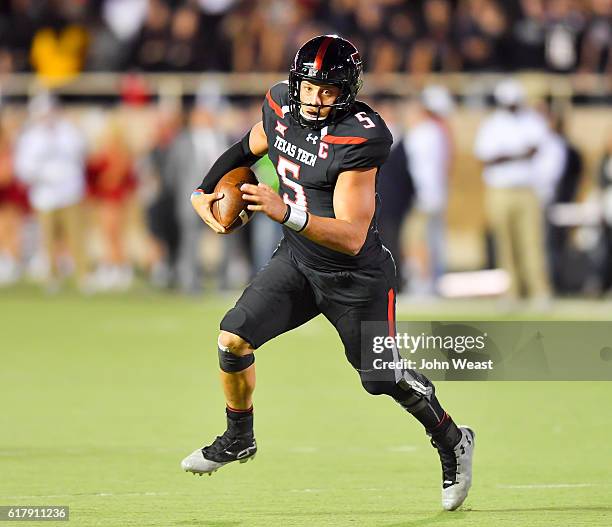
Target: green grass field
[{"x": 102, "y": 397}]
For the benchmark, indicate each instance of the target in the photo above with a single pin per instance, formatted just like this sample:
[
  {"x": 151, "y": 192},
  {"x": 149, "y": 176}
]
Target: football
[{"x": 231, "y": 210}]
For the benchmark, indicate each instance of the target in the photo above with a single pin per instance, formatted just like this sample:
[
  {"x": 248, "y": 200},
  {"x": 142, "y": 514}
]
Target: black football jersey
[{"x": 308, "y": 163}]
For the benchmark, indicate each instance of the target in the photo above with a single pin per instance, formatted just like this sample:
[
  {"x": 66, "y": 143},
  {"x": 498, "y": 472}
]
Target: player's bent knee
[
  {"x": 234, "y": 343},
  {"x": 375, "y": 387},
  {"x": 237, "y": 330},
  {"x": 235, "y": 353}
]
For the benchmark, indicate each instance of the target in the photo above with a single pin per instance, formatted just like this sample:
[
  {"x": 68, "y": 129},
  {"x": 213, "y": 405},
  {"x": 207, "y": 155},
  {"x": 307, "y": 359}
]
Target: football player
[{"x": 327, "y": 148}]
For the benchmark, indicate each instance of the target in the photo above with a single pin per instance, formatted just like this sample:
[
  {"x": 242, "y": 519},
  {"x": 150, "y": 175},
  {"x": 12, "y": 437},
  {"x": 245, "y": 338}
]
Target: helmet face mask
[{"x": 327, "y": 60}]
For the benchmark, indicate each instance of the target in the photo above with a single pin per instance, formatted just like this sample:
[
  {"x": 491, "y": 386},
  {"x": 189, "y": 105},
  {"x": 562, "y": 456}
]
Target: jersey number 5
[
  {"x": 363, "y": 118},
  {"x": 284, "y": 168}
]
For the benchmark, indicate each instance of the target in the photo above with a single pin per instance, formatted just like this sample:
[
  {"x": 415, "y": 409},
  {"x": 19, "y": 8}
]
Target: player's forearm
[
  {"x": 237, "y": 155},
  {"x": 339, "y": 235}
]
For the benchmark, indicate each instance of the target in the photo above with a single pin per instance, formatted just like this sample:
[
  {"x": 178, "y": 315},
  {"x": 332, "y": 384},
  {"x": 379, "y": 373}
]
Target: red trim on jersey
[
  {"x": 318, "y": 62},
  {"x": 391, "y": 312},
  {"x": 277, "y": 109},
  {"x": 337, "y": 140}
]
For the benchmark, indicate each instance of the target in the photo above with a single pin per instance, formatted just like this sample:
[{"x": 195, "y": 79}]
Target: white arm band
[{"x": 296, "y": 219}]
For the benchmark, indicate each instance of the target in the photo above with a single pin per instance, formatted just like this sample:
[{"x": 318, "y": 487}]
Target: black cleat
[{"x": 225, "y": 449}]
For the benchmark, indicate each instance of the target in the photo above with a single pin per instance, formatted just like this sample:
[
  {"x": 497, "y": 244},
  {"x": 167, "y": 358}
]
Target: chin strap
[{"x": 308, "y": 118}]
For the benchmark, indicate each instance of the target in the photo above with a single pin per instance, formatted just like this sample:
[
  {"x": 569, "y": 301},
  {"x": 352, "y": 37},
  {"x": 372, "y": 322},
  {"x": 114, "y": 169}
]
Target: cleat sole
[
  {"x": 246, "y": 459},
  {"x": 195, "y": 471}
]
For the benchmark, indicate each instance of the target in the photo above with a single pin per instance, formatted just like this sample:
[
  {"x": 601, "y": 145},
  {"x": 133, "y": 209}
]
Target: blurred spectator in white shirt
[
  {"x": 507, "y": 143},
  {"x": 110, "y": 46},
  {"x": 549, "y": 161},
  {"x": 124, "y": 17},
  {"x": 50, "y": 159},
  {"x": 564, "y": 27},
  {"x": 215, "y": 7},
  {"x": 428, "y": 147}
]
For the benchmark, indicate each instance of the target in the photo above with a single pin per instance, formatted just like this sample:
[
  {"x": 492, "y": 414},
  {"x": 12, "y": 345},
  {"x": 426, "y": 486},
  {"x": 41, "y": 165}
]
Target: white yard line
[
  {"x": 303, "y": 449},
  {"x": 85, "y": 494},
  {"x": 403, "y": 448},
  {"x": 550, "y": 486}
]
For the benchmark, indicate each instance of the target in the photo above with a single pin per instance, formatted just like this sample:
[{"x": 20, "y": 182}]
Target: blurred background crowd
[
  {"x": 64, "y": 37},
  {"x": 508, "y": 193}
]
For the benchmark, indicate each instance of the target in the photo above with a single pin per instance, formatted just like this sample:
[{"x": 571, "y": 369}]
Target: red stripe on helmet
[{"x": 321, "y": 52}]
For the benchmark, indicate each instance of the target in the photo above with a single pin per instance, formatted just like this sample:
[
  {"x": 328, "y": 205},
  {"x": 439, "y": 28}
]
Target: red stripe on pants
[{"x": 391, "y": 312}]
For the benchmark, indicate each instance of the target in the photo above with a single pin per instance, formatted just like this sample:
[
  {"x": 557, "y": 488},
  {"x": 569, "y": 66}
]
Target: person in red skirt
[
  {"x": 111, "y": 182},
  {"x": 14, "y": 206}
]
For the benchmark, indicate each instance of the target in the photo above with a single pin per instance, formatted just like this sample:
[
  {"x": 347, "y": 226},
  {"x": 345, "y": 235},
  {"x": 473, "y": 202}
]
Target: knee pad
[{"x": 231, "y": 363}]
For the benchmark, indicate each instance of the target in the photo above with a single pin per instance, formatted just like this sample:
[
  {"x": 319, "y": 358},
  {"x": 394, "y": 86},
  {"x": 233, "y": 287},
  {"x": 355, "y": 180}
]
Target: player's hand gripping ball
[
  {"x": 224, "y": 210},
  {"x": 264, "y": 198}
]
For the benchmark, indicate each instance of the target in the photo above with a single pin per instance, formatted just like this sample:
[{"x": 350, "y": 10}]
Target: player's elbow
[
  {"x": 355, "y": 244},
  {"x": 354, "y": 249}
]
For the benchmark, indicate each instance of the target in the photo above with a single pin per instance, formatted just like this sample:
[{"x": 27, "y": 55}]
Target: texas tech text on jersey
[{"x": 308, "y": 163}]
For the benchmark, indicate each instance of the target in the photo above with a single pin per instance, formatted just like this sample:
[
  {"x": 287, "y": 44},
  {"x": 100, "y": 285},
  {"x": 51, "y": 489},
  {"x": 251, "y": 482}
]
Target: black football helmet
[{"x": 326, "y": 59}]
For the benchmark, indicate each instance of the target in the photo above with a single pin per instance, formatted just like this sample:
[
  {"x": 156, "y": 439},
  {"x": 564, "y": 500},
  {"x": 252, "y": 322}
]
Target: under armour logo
[{"x": 312, "y": 138}]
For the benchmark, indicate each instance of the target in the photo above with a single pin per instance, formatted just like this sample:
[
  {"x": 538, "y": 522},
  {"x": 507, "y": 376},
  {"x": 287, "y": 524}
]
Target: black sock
[
  {"x": 446, "y": 434},
  {"x": 438, "y": 424},
  {"x": 239, "y": 422}
]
